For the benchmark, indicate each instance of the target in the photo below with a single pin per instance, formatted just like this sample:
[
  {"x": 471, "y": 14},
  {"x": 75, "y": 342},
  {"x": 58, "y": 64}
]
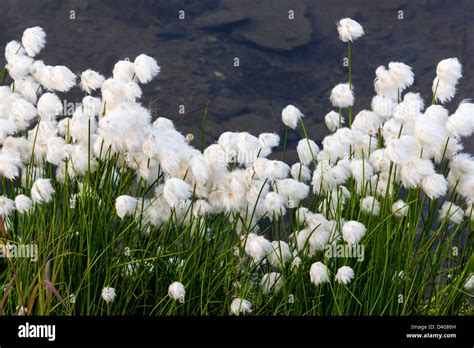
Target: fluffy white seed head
[
  {"x": 352, "y": 232},
  {"x": 318, "y": 273},
  {"x": 124, "y": 71},
  {"x": 33, "y": 40},
  {"x": 384, "y": 84},
  {"x": 300, "y": 172},
  {"x": 23, "y": 204},
  {"x": 307, "y": 150},
  {"x": 443, "y": 91},
  {"x": 12, "y": 49},
  {"x": 290, "y": 116},
  {"x": 49, "y": 106},
  {"x": 383, "y": 106},
  {"x": 349, "y": 30},
  {"x": 400, "y": 208},
  {"x": 413, "y": 170},
  {"x": 19, "y": 66},
  {"x": 176, "y": 291},
  {"x": 402, "y": 149},
  {"x": 469, "y": 285},
  {"x": 402, "y": 75},
  {"x": 62, "y": 79},
  {"x": 451, "y": 212},
  {"x": 434, "y": 185},
  {"x": 91, "y": 81},
  {"x": 268, "y": 140},
  {"x": 280, "y": 254},
  {"x": 275, "y": 204},
  {"x": 271, "y": 282},
  {"x": 449, "y": 71},
  {"x": 342, "y": 96},
  {"x": 7, "y": 206},
  {"x": 344, "y": 275},
  {"x": 461, "y": 123},
  {"x": 333, "y": 120},
  {"x": 257, "y": 247},
  {"x": 240, "y": 306},
  {"x": 370, "y": 205},
  {"x": 42, "y": 191},
  {"x": 176, "y": 191},
  {"x": 146, "y": 68},
  {"x": 367, "y": 122},
  {"x": 108, "y": 294},
  {"x": 125, "y": 205}
]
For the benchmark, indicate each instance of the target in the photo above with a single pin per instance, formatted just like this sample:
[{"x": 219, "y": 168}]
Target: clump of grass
[{"x": 136, "y": 208}]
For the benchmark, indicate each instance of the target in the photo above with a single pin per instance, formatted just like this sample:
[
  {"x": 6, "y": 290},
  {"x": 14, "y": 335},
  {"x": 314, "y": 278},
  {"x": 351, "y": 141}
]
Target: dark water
[{"x": 282, "y": 61}]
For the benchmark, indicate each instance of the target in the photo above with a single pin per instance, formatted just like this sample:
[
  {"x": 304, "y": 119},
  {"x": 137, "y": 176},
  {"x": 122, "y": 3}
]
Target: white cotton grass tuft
[
  {"x": 352, "y": 232},
  {"x": 23, "y": 204},
  {"x": 461, "y": 123},
  {"x": 125, "y": 205},
  {"x": 400, "y": 208},
  {"x": 271, "y": 282},
  {"x": 295, "y": 264},
  {"x": 307, "y": 151},
  {"x": 280, "y": 254},
  {"x": 240, "y": 306},
  {"x": 412, "y": 171},
  {"x": 344, "y": 275},
  {"x": 108, "y": 294},
  {"x": 42, "y": 191},
  {"x": 177, "y": 292},
  {"x": 402, "y": 75},
  {"x": 257, "y": 246},
  {"x": 300, "y": 172},
  {"x": 333, "y": 120},
  {"x": 292, "y": 191},
  {"x": 33, "y": 40},
  {"x": 290, "y": 116},
  {"x": 451, "y": 212},
  {"x": 342, "y": 96},
  {"x": 318, "y": 273},
  {"x": 62, "y": 79},
  {"x": 449, "y": 71},
  {"x": 366, "y": 122},
  {"x": 176, "y": 192},
  {"x": 7, "y": 206},
  {"x": 13, "y": 49},
  {"x": 383, "y": 106},
  {"x": 91, "y": 81},
  {"x": 268, "y": 140},
  {"x": 370, "y": 205},
  {"x": 469, "y": 285},
  {"x": 434, "y": 185},
  {"x": 385, "y": 85},
  {"x": 146, "y": 68},
  {"x": 49, "y": 106},
  {"x": 349, "y": 29},
  {"x": 124, "y": 71},
  {"x": 10, "y": 166},
  {"x": 22, "y": 113},
  {"x": 400, "y": 150},
  {"x": 443, "y": 91},
  {"x": 274, "y": 204},
  {"x": 18, "y": 67}
]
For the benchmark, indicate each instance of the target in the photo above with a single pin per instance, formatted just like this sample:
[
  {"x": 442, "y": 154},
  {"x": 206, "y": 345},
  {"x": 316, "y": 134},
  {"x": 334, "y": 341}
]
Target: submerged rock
[{"x": 256, "y": 22}]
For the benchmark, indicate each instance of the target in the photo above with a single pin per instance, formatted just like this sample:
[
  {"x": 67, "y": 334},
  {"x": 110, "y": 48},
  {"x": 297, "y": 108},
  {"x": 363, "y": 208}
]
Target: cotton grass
[{"x": 240, "y": 226}]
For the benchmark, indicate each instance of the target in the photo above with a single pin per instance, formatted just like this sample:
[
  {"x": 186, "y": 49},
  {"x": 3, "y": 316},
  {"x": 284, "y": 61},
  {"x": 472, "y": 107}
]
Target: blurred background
[{"x": 281, "y": 61}]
